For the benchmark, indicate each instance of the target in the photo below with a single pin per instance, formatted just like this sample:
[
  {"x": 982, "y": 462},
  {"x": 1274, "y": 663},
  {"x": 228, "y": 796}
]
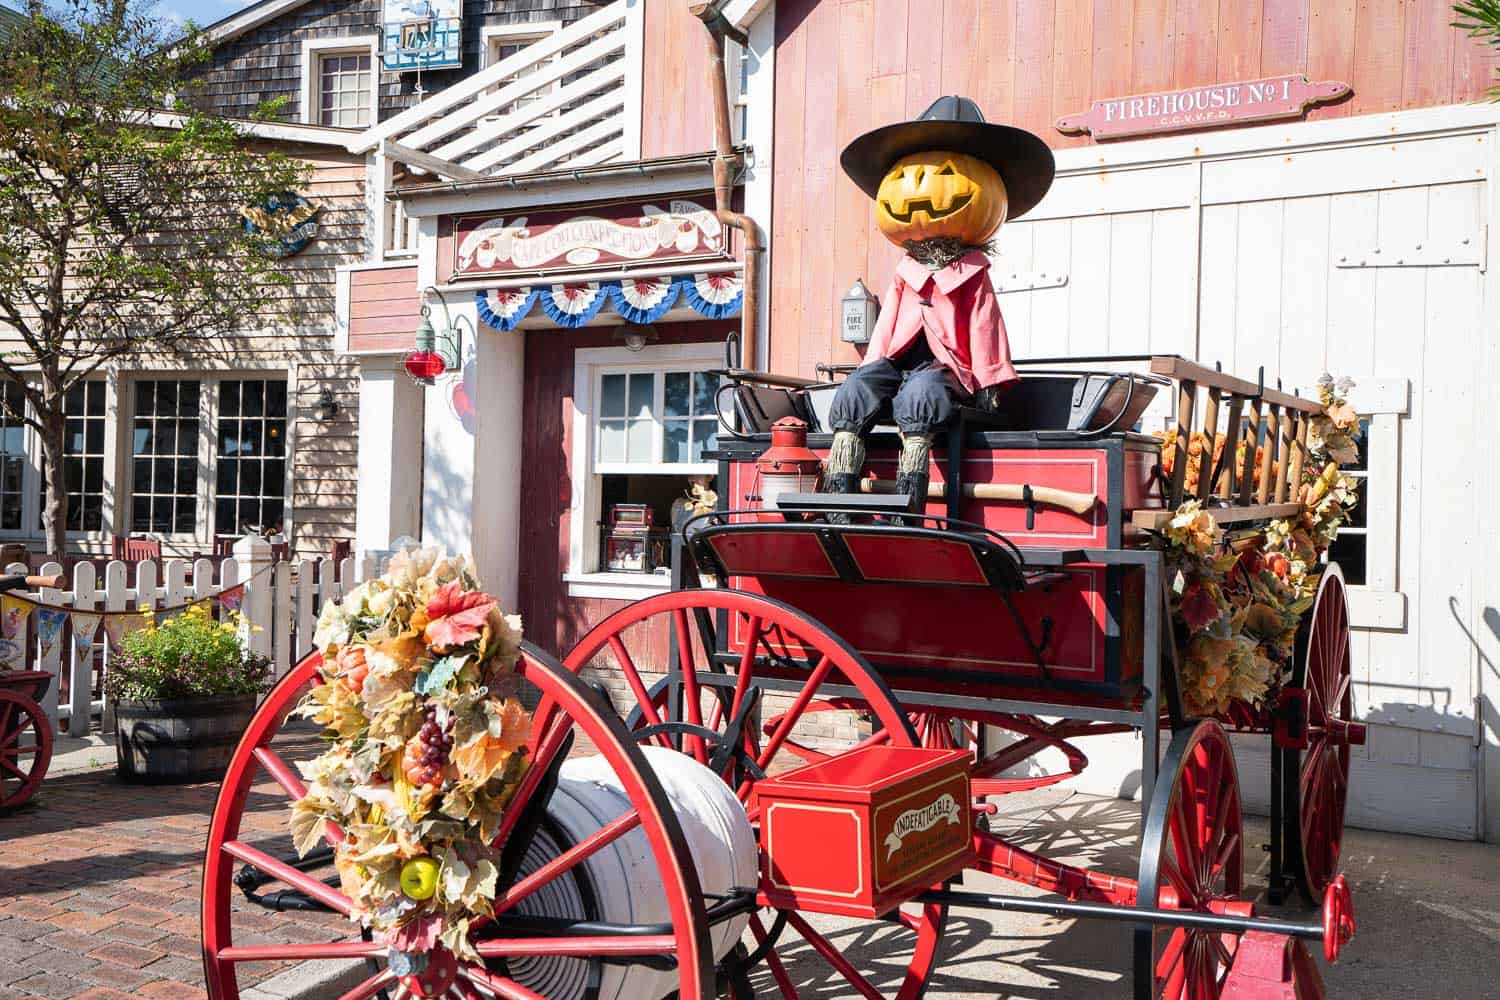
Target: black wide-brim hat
[{"x": 1022, "y": 159}]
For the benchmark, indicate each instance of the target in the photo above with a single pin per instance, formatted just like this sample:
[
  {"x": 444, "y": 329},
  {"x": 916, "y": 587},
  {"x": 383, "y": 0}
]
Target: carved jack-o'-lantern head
[
  {"x": 949, "y": 173},
  {"x": 940, "y": 193}
]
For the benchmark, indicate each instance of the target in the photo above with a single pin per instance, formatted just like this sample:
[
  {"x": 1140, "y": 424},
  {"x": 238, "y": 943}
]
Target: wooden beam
[
  {"x": 1187, "y": 392},
  {"x": 1210, "y": 441},
  {"x": 428, "y": 162},
  {"x": 1155, "y": 520},
  {"x": 1181, "y": 369}
]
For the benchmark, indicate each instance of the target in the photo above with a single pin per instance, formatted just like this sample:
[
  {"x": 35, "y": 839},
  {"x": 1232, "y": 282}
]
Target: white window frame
[
  {"x": 202, "y": 537},
  {"x": 585, "y": 510},
  {"x": 491, "y": 36},
  {"x": 313, "y": 51},
  {"x": 739, "y": 69},
  {"x": 31, "y": 530},
  {"x": 1379, "y": 602}
]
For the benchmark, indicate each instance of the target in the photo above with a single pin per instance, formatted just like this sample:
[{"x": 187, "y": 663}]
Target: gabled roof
[{"x": 249, "y": 17}]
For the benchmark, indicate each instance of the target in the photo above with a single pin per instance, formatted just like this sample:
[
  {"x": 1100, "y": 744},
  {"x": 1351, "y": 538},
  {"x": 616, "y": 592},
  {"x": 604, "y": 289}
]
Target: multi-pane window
[
  {"x": 627, "y": 417},
  {"x": 83, "y": 457},
  {"x": 164, "y": 456},
  {"x": 656, "y": 417},
  {"x": 250, "y": 456},
  {"x": 505, "y": 47},
  {"x": 1351, "y": 548},
  {"x": 12, "y": 455},
  {"x": 689, "y": 421},
  {"x": 344, "y": 89}
]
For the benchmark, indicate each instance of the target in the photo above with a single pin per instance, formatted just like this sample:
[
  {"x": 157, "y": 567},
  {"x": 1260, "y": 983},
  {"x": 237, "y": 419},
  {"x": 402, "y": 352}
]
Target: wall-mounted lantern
[
  {"x": 857, "y": 312},
  {"x": 436, "y": 350},
  {"x": 326, "y": 408}
]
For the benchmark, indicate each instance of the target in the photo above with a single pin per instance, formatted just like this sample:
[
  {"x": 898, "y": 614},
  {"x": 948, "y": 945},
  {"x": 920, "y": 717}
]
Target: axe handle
[{"x": 1077, "y": 503}]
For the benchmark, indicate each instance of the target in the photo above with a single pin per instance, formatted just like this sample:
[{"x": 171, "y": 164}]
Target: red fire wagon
[{"x": 847, "y": 681}]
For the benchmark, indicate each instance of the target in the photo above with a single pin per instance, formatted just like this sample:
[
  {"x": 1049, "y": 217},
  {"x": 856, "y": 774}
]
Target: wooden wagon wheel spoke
[
  {"x": 502, "y": 985},
  {"x": 834, "y": 957},
  {"x": 13, "y": 770},
  {"x": 286, "y": 874},
  {"x": 582, "y": 946},
  {"x": 638, "y": 687},
  {"x": 773, "y": 960},
  {"x": 568, "y": 860},
  {"x": 690, "y": 694},
  {"x": 371, "y": 986},
  {"x": 331, "y": 950}
]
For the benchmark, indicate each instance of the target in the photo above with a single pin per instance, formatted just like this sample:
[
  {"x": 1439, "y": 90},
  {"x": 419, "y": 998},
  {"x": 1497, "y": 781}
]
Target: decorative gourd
[{"x": 938, "y": 193}]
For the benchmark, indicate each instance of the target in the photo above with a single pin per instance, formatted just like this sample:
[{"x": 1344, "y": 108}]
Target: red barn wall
[
  {"x": 677, "y": 111},
  {"x": 845, "y": 66}
]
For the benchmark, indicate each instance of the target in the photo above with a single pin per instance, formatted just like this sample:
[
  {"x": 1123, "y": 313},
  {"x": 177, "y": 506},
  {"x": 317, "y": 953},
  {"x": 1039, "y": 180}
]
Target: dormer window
[
  {"x": 340, "y": 81},
  {"x": 344, "y": 89}
]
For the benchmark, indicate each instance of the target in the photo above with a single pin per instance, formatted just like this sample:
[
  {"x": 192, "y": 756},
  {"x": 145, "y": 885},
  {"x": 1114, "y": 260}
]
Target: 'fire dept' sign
[
  {"x": 1202, "y": 107},
  {"x": 676, "y": 230}
]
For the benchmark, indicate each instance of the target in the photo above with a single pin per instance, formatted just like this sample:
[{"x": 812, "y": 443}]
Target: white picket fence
[{"x": 280, "y": 609}]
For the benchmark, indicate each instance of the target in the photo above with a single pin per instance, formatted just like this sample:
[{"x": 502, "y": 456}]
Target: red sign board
[
  {"x": 1202, "y": 107},
  {"x": 677, "y": 230}
]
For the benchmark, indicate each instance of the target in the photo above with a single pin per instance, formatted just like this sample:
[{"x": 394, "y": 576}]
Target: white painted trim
[
  {"x": 743, "y": 14},
  {"x": 533, "y": 30},
  {"x": 564, "y": 188},
  {"x": 342, "y": 294},
  {"x": 1382, "y": 609},
  {"x": 761, "y": 135},
  {"x": 584, "y": 511},
  {"x": 316, "y": 135},
  {"x": 250, "y": 17},
  {"x": 314, "y": 49},
  {"x": 635, "y": 63},
  {"x": 617, "y": 586}
]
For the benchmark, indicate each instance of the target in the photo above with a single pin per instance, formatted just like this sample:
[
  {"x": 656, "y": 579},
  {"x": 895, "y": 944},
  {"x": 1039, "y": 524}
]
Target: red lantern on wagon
[{"x": 788, "y": 466}]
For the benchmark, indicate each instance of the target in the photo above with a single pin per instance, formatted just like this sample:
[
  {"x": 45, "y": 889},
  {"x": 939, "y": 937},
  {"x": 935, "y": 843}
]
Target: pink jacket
[{"x": 957, "y": 309}]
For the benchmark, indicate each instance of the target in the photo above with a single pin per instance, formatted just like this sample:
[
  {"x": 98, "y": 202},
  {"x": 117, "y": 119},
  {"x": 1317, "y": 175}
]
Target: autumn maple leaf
[
  {"x": 1198, "y": 607},
  {"x": 455, "y": 616}
]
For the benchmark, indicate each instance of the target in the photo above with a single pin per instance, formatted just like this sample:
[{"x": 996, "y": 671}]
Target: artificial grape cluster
[{"x": 427, "y": 753}]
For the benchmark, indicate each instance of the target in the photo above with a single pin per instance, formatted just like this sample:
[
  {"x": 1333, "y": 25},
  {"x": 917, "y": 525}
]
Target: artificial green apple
[{"x": 419, "y": 878}]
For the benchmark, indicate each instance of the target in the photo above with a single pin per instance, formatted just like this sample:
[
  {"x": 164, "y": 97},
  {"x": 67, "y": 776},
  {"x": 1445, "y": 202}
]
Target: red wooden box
[{"x": 862, "y": 832}]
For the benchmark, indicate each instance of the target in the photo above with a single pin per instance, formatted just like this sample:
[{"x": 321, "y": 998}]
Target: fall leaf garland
[
  {"x": 426, "y": 747},
  {"x": 1237, "y": 612}
]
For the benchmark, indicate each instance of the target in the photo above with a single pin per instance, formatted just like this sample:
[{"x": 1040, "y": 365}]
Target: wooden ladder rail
[
  {"x": 1187, "y": 393},
  {"x": 1252, "y": 445},
  {"x": 1210, "y": 442}
]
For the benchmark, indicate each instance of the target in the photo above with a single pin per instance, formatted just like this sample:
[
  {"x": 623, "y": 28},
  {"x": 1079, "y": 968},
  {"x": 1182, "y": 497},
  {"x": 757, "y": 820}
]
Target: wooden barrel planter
[{"x": 182, "y": 740}]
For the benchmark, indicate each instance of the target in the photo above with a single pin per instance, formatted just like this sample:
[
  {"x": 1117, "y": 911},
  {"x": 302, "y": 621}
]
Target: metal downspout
[{"x": 717, "y": 30}]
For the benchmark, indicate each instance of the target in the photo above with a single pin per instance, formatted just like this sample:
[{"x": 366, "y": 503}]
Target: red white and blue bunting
[
  {"x": 637, "y": 300},
  {"x": 503, "y": 308}
]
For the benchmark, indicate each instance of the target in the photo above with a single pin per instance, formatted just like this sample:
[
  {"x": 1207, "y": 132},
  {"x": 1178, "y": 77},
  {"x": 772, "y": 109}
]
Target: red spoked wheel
[
  {"x": 1315, "y": 779},
  {"x": 1191, "y": 859},
  {"x": 567, "y": 709},
  {"x": 764, "y": 688},
  {"x": 25, "y": 748}
]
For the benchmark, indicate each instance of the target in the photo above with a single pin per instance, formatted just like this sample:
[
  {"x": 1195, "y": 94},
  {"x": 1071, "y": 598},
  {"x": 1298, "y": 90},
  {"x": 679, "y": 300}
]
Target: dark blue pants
[{"x": 914, "y": 388}]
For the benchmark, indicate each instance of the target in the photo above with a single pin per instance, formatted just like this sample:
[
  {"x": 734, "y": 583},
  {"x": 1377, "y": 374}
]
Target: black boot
[
  {"x": 913, "y": 486},
  {"x": 840, "y": 482}
]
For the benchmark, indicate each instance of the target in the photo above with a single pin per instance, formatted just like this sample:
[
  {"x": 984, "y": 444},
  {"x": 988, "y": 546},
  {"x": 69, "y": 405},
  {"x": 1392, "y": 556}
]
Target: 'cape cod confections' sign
[
  {"x": 678, "y": 230},
  {"x": 1202, "y": 107}
]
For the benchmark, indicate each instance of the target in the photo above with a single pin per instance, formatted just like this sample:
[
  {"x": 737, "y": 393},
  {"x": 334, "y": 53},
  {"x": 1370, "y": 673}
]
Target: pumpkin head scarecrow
[{"x": 942, "y": 185}]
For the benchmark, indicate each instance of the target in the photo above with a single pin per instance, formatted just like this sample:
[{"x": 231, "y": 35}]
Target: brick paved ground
[{"x": 99, "y": 888}]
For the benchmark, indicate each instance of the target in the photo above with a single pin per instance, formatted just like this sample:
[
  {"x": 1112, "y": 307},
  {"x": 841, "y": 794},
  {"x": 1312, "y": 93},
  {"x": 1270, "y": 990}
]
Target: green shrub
[{"x": 190, "y": 656}]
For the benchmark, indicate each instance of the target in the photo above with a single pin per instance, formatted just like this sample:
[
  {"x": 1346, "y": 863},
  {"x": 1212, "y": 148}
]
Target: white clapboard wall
[{"x": 1358, "y": 247}]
